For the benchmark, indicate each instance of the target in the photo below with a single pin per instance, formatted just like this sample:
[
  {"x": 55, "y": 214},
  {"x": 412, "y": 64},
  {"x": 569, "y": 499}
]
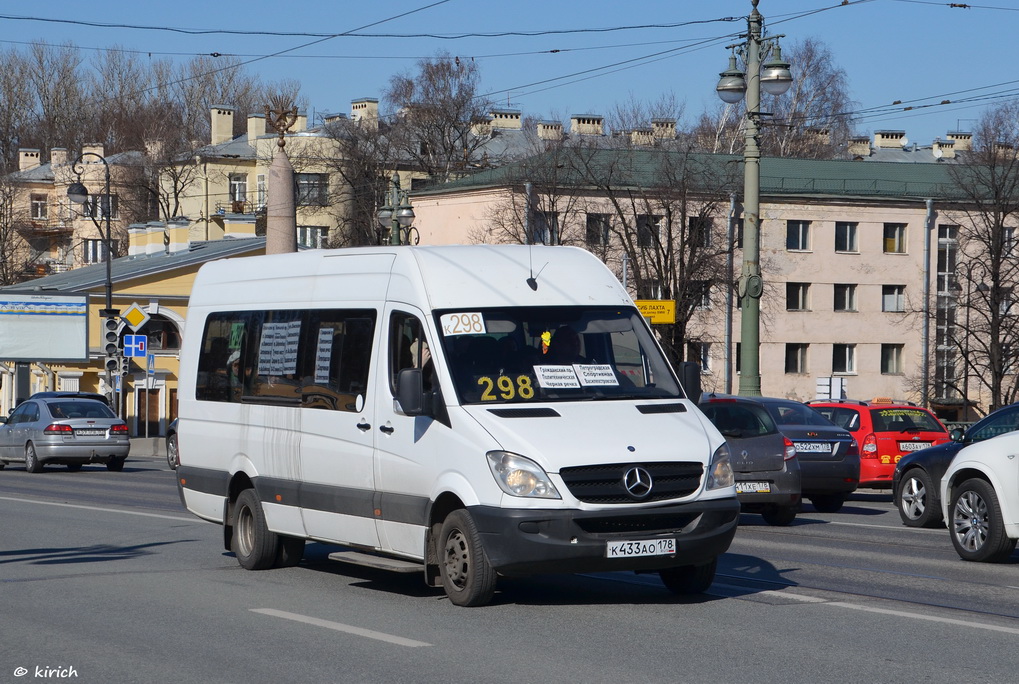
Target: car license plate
[
  {"x": 813, "y": 447},
  {"x": 913, "y": 446},
  {"x": 753, "y": 488},
  {"x": 648, "y": 547},
  {"x": 93, "y": 432}
]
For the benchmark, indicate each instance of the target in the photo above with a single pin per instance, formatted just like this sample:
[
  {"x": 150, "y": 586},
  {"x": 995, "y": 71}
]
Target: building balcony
[
  {"x": 239, "y": 207},
  {"x": 51, "y": 226}
]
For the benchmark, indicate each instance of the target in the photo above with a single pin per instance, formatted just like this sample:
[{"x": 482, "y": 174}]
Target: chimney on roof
[
  {"x": 58, "y": 156},
  {"x": 178, "y": 230},
  {"x": 859, "y": 146},
  {"x": 28, "y": 159},
  {"x": 256, "y": 127},
  {"x": 587, "y": 124},
  {"x": 365, "y": 111},
  {"x": 222, "y": 124},
  {"x": 550, "y": 130},
  {"x": 963, "y": 141},
  {"x": 137, "y": 239},
  {"x": 664, "y": 129},
  {"x": 301, "y": 124},
  {"x": 943, "y": 149},
  {"x": 506, "y": 118},
  {"x": 642, "y": 137},
  {"x": 889, "y": 139}
]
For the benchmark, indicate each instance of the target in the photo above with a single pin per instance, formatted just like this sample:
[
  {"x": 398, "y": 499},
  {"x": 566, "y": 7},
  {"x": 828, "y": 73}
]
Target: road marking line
[
  {"x": 104, "y": 510},
  {"x": 929, "y": 618},
  {"x": 340, "y": 627}
]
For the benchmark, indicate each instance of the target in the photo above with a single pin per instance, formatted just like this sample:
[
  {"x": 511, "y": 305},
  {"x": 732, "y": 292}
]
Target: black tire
[
  {"x": 779, "y": 515},
  {"x": 689, "y": 579},
  {"x": 2, "y": 464},
  {"x": 116, "y": 464},
  {"x": 828, "y": 503},
  {"x": 74, "y": 467},
  {"x": 467, "y": 577},
  {"x": 291, "y": 552},
  {"x": 916, "y": 500},
  {"x": 977, "y": 528},
  {"x": 172, "y": 454},
  {"x": 32, "y": 462},
  {"x": 254, "y": 545}
]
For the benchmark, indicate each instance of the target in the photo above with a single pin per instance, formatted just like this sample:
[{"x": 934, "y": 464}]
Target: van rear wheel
[
  {"x": 467, "y": 576},
  {"x": 254, "y": 545}
]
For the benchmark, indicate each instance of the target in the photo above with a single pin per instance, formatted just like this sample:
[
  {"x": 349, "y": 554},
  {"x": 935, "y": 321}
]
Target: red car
[{"x": 885, "y": 430}]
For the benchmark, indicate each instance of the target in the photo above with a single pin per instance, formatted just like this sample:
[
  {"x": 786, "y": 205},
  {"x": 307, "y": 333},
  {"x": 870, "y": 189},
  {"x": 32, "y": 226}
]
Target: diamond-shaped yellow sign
[{"x": 135, "y": 317}]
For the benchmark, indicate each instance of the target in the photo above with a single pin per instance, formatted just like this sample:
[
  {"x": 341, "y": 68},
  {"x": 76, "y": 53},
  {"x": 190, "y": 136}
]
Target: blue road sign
[{"x": 136, "y": 345}]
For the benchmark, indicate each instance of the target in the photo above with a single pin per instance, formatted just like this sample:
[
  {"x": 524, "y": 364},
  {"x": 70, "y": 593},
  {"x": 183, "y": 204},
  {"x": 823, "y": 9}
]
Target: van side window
[
  {"x": 300, "y": 357},
  {"x": 408, "y": 348}
]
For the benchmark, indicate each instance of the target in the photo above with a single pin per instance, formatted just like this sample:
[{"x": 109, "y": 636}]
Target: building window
[
  {"x": 893, "y": 298},
  {"x": 40, "y": 210},
  {"x": 797, "y": 236},
  {"x": 101, "y": 206},
  {"x": 312, "y": 237},
  {"x": 843, "y": 358},
  {"x": 312, "y": 189},
  {"x": 895, "y": 238},
  {"x": 93, "y": 250},
  {"x": 1007, "y": 242},
  {"x": 845, "y": 237},
  {"x": 738, "y": 234},
  {"x": 845, "y": 297},
  {"x": 796, "y": 358},
  {"x": 796, "y": 296},
  {"x": 700, "y": 292},
  {"x": 545, "y": 228},
  {"x": 891, "y": 359},
  {"x": 700, "y": 231},
  {"x": 238, "y": 187},
  {"x": 597, "y": 230},
  {"x": 262, "y": 190},
  {"x": 738, "y": 360},
  {"x": 649, "y": 229},
  {"x": 699, "y": 352}
]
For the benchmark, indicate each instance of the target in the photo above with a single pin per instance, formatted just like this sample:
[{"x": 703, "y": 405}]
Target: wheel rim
[
  {"x": 457, "y": 561},
  {"x": 969, "y": 521},
  {"x": 245, "y": 531},
  {"x": 171, "y": 453},
  {"x": 30, "y": 458},
  {"x": 913, "y": 498}
]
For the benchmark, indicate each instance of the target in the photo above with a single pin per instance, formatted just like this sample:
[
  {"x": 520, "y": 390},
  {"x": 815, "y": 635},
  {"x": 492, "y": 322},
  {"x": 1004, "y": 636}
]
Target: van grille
[
  {"x": 644, "y": 524},
  {"x": 603, "y": 484}
]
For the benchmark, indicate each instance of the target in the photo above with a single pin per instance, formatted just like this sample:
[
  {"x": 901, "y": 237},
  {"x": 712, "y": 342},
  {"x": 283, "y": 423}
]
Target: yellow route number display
[{"x": 506, "y": 388}]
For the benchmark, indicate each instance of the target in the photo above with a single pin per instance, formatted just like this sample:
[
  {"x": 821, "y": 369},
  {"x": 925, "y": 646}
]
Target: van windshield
[{"x": 536, "y": 354}]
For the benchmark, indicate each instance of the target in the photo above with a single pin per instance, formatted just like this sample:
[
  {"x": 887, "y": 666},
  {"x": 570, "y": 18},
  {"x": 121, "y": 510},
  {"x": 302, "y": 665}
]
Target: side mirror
[
  {"x": 410, "y": 392},
  {"x": 956, "y": 434},
  {"x": 690, "y": 376}
]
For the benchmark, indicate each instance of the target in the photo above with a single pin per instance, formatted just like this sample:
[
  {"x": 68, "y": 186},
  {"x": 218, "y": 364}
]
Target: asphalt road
[{"x": 105, "y": 578}]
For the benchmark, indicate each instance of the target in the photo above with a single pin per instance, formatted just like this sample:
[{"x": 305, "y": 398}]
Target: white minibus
[{"x": 461, "y": 411}]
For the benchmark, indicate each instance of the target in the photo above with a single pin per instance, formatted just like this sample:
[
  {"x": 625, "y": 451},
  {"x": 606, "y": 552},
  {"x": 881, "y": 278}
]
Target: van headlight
[
  {"x": 719, "y": 470},
  {"x": 519, "y": 476}
]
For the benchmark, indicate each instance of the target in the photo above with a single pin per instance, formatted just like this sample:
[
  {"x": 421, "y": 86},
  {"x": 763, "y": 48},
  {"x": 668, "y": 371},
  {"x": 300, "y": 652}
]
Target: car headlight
[
  {"x": 519, "y": 476},
  {"x": 719, "y": 470}
]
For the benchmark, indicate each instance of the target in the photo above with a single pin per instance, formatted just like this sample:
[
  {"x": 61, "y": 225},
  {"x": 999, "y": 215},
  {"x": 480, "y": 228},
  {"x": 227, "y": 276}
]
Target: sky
[{"x": 918, "y": 52}]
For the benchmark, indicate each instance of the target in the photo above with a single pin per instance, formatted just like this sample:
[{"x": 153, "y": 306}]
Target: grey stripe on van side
[{"x": 402, "y": 508}]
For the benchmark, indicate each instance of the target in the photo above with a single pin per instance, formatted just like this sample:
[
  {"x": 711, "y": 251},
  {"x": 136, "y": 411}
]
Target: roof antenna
[{"x": 532, "y": 282}]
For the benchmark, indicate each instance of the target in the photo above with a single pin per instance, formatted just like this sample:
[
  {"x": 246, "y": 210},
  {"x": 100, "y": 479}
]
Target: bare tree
[
  {"x": 980, "y": 321},
  {"x": 435, "y": 110},
  {"x": 16, "y": 254}
]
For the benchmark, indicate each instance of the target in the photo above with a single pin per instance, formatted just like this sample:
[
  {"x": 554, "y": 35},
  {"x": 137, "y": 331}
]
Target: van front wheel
[
  {"x": 254, "y": 545},
  {"x": 467, "y": 577},
  {"x": 689, "y": 579}
]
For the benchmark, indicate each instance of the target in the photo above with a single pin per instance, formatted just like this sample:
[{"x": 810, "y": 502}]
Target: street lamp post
[
  {"x": 733, "y": 85},
  {"x": 78, "y": 194},
  {"x": 396, "y": 214}
]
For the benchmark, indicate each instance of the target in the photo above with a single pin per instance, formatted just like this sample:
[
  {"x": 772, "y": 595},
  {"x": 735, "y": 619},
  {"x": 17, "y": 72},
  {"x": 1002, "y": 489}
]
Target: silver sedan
[{"x": 69, "y": 431}]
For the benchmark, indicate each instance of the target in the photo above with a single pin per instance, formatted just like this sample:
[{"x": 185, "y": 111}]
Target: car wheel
[
  {"x": 291, "y": 552},
  {"x": 254, "y": 545},
  {"x": 172, "y": 458},
  {"x": 467, "y": 577},
  {"x": 32, "y": 462},
  {"x": 779, "y": 515},
  {"x": 977, "y": 528},
  {"x": 74, "y": 467},
  {"x": 916, "y": 500},
  {"x": 115, "y": 464},
  {"x": 2, "y": 464},
  {"x": 828, "y": 503},
  {"x": 689, "y": 579}
]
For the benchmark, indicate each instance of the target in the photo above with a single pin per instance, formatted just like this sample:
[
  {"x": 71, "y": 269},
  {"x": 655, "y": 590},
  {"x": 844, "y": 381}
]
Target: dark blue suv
[{"x": 918, "y": 475}]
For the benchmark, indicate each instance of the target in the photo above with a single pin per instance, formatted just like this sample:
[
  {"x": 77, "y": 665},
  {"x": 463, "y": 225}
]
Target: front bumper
[{"x": 526, "y": 542}]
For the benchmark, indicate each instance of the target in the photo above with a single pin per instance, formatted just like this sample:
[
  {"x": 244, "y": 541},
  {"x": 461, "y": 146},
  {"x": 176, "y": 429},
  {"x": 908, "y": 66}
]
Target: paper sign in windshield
[{"x": 577, "y": 375}]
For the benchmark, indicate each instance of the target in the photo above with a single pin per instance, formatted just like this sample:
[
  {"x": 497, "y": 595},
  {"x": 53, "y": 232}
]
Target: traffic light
[
  {"x": 111, "y": 335},
  {"x": 113, "y": 364},
  {"x": 125, "y": 365}
]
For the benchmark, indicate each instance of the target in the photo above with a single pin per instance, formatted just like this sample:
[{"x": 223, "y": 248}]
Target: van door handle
[
  {"x": 388, "y": 429},
  {"x": 364, "y": 427}
]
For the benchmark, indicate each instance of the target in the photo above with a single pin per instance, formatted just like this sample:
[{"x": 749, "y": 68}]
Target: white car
[{"x": 980, "y": 499}]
